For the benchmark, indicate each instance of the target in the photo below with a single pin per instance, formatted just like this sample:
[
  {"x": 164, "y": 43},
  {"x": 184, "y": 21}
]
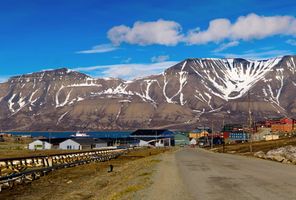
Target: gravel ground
[
  {"x": 200, "y": 174},
  {"x": 167, "y": 181}
]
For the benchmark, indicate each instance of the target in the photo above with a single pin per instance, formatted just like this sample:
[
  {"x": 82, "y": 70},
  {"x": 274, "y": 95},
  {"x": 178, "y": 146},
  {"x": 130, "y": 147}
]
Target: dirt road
[{"x": 199, "y": 174}]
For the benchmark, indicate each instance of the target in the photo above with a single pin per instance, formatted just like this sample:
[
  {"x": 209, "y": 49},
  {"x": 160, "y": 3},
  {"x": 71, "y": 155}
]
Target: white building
[
  {"x": 48, "y": 143},
  {"x": 39, "y": 145},
  {"x": 193, "y": 141},
  {"x": 82, "y": 143},
  {"x": 271, "y": 137},
  {"x": 154, "y": 137},
  {"x": 261, "y": 134},
  {"x": 157, "y": 142}
]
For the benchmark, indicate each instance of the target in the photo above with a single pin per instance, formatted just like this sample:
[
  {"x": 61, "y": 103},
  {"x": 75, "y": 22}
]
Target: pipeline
[{"x": 14, "y": 171}]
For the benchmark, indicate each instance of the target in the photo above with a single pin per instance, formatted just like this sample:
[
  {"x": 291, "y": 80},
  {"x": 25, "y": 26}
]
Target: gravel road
[{"x": 199, "y": 174}]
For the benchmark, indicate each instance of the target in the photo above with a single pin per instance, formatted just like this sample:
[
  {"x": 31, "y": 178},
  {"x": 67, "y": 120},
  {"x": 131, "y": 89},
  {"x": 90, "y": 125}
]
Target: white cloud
[
  {"x": 291, "y": 42},
  {"x": 127, "y": 60},
  {"x": 100, "y": 49},
  {"x": 224, "y": 46},
  {"x": 218, "y": 30},
  {"x": 160, "y": 58},
  {"x": 247, "y": 27},
  {"x": 126, "y": 71},
  {"x": 252, "y": 54},
  {"x": 169, "y": 33},
  {"x": 160, "y": 32},
  {"x": 4, "y": 78}
]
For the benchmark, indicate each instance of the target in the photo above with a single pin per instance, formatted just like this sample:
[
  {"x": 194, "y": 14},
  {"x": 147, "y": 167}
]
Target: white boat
[{"x": 80, "y": 134}]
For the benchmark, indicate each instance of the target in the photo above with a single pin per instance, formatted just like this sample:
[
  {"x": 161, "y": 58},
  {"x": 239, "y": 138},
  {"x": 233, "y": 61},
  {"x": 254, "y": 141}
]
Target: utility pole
[
  {"x": 155, "y": 138},
  {"x": 212, "y": 139},
  {"x": 250, "y": 123}
]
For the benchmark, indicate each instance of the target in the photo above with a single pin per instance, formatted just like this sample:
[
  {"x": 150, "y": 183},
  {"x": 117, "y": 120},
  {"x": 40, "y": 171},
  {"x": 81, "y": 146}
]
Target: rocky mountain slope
[{"x": 193, "y": 92}]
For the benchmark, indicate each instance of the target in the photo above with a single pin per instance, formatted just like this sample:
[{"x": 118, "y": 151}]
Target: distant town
[{"x": 202, "y": 136}]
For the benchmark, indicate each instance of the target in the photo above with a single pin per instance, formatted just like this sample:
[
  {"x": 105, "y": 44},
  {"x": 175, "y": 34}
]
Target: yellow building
[{"x": 198, "y": 135}]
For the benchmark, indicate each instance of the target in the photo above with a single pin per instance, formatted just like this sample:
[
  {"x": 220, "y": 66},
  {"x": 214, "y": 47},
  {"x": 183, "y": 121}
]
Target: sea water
[{"x": 66, "y": 134}]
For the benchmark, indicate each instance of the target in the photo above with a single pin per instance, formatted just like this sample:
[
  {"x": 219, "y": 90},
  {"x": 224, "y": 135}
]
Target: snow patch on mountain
[
  {"x": 10, "y": 103},
  {"x": 232, "y": 79}
]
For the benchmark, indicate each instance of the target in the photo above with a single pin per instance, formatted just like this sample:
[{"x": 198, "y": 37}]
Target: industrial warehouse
[{"x": 138, "y": 138}]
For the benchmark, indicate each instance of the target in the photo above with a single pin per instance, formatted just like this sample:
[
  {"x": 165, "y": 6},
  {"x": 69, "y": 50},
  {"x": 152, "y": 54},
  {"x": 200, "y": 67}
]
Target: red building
[
  {"x": 283, "y": 124},
  {"x": 225, "y": 134}
]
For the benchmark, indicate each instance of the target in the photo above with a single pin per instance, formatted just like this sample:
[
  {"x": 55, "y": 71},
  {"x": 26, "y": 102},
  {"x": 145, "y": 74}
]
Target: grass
[
  {"x": 257, "y": 146},
  {"x": 155, "y": 160},
  {"x": 146, "y": 174},
  {"x": 127, "y": 190},
  {"x": 92, "y": 181}
]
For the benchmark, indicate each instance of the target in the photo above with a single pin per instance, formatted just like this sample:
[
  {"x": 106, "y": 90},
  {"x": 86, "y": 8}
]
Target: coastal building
[
  {"x": 283, "y": 128},
  {"x": 154, "y": 137},
  {"x": 115, "y": 138},
  {"x": 272, "y": 137},
  {"x": 193, "y": 142},
  {"x": 82, "y": 143},
  {"x": 201, "y": 131},
  {"x": 45, "y": 143},
  {"x": 181, "y": 139},
  {"x": 261, "y": 133},
  {"x": 197, "y": 135},
  {"x": 282, "y": 124},
  {"x": 230, "y": 128},
  {"x": 238, "y": 136}
]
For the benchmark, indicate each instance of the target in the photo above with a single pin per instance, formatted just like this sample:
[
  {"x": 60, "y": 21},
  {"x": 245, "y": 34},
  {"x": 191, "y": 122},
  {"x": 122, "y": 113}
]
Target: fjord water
[{"x": 65, "y": 134}]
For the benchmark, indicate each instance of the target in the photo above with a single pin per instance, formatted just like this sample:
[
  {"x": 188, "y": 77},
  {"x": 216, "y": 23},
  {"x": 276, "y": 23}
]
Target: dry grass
[
  {"x": 257, "y": 146},
  {"x": 18, "y": 148},
  {"x": 129, "y": 189},
  {"x": 92, "y": 181}
]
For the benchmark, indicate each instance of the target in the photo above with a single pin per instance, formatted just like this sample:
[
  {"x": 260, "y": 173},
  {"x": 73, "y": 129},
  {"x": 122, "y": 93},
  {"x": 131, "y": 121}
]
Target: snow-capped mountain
[{"x": 193, "y": 92}]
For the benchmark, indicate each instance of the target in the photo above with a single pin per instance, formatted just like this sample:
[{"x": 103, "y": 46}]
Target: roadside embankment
[
  {"x": 131, "y": 173},
  {"x": 265, "y": 146},
  {"x": 285, "y": 154},
  {"x": 282, "y": 150}
]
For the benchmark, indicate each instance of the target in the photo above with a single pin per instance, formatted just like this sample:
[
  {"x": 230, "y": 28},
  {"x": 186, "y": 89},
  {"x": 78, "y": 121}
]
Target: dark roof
[
  {"x": 203, "y": 128},
  {"x": 88, "y": 141},
  {"x": 277, "y": 118},
  {"x": 110, "y": 134},
  {"x": 149, "y": 138},
  {"x": 152, "y": 132},
  {"x": 53, "y": 140},
  {"x": 230, "y": 127},
  {"x": 233, "y": 125}
]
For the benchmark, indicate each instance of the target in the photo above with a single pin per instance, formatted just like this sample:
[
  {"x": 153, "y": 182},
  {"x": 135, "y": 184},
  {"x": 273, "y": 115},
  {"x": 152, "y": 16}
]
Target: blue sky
[{"x": 133, "y": 38}]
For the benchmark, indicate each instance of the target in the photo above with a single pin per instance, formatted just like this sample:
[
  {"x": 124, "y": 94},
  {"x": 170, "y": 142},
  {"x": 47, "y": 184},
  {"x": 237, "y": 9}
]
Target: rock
[
  {"x": 285, "y": 154},
  {"x": 286, "y": 161},
  {"x": 291, "y": 157},
  {"x": 68, "y": 182},
  {"x": 293, "y": 162},
  {"x": 260, "y": 154},
  {"x": 291, "y": 149},
  {"x": 278, "y": 158},
  {"x": 276, "y": 154}
]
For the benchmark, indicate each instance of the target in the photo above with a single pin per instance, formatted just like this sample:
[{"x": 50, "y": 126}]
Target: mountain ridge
[{"x": 187, "y": 94}]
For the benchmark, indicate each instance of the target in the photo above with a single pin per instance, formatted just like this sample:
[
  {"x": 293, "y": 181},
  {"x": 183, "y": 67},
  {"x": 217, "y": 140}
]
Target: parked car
[{"x": 203, "y": 142}]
